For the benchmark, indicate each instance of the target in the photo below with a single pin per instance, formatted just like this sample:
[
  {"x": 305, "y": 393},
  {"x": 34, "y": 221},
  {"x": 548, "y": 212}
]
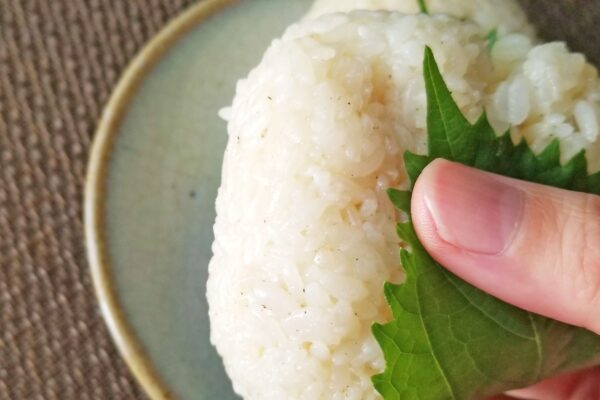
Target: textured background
[{"x": 59, "y": 60}]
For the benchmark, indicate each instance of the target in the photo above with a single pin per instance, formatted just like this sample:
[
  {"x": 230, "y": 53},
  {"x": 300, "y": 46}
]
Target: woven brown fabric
[
  {"x": 573, "y": 21},
  {"x": 59, "y": 60}
]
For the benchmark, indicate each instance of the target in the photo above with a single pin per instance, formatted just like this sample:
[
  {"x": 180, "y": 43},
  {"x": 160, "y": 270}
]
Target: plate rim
[{"x": 123, "y": 335}]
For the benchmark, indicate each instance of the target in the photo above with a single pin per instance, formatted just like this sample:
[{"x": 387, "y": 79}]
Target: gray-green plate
[{"x": 152, "y": 181}]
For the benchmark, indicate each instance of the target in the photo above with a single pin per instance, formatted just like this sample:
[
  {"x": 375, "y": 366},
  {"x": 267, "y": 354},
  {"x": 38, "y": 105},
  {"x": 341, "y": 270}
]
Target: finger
[
  {"x": 534, "y": 246},
  {"x": 577, "y": 386}
]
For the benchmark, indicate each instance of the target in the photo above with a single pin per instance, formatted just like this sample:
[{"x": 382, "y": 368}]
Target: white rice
[
  {"x": 504, "y": 15},
  {"x": 304, "y": 232},
  {"x": 545, "y": 92},
  {"x": 548, "y": 93}
]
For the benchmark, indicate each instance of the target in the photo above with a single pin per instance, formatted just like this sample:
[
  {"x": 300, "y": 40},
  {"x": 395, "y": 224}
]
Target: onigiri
[{"x": 305, "y": 235}]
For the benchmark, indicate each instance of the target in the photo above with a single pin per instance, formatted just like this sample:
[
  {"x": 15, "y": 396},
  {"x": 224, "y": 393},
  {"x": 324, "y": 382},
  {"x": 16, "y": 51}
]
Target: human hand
[{"x": 533, "y": 246}]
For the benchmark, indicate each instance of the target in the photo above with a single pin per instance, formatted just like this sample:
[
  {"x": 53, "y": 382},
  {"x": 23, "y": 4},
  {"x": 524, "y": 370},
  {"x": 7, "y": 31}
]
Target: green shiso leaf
[
  {"x": 448, "y": 339},
  {"x": 491, "y": 38}
]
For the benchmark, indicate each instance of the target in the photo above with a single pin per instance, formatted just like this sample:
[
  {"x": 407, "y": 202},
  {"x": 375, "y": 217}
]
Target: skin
[{"x": 467, "y": 219}]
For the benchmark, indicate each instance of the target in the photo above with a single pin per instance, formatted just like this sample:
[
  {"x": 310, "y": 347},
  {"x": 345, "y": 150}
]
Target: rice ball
[{"x": 305, "y": 235}]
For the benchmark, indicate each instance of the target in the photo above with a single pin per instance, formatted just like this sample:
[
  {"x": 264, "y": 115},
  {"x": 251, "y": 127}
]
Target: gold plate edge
[{"x": 95, "y": 187}]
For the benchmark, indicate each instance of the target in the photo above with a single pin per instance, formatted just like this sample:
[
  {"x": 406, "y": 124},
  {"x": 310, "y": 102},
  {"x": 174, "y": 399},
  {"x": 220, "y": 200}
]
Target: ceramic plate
[{"x": 152, "y": 182}]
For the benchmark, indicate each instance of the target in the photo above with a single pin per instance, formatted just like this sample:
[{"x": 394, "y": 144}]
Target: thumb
[{"x": 530, "y": 245}]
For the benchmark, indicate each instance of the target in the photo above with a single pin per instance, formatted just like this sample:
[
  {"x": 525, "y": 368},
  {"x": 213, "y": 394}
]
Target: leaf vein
[
  {"x": 481, "y": 310},
  {"x": 538, "y": 345},
  {"x": 429, "y": 341}
]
